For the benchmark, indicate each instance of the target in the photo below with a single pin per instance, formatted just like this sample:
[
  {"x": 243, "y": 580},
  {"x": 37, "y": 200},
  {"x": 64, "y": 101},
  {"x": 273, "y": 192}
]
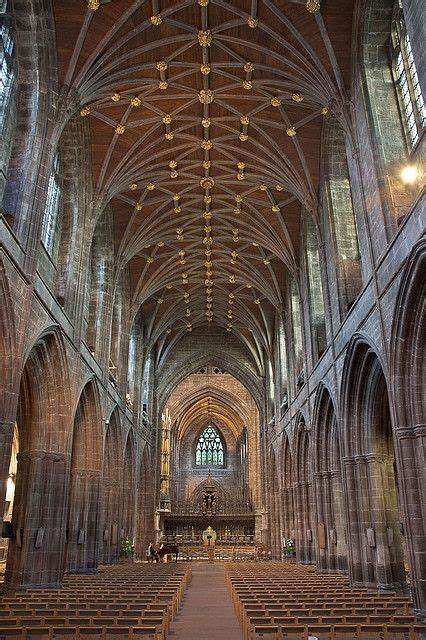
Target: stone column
[
  {"x": 328, "y": 489},
  {"x": 6, "y": 439},
  {"x": 83, "y": 541},
  {"x": 303, "y": 526},
  {"x": 411, "y": 444},
  {"x": 320, "y": 509},
  {"x": 111, "y": 502},
  {"x": 36, "y": 553}
]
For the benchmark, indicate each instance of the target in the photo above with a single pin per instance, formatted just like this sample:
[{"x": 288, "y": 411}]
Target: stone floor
[{"x": 206, "y": 612}]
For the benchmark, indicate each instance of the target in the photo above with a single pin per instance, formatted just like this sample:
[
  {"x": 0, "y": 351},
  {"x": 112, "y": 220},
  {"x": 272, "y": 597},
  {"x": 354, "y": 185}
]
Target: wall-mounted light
[{"x": 410, "y": 174}]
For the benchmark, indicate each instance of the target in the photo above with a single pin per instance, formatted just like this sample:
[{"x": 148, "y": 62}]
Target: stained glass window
[
  {"x": 209, "y": 451},
  {"x": 407, "y": 79}
]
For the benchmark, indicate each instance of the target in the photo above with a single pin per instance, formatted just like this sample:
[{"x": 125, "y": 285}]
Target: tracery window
[
  {"x": 406, "y": 79},
  {"x": 50, "y": 220},
  {"x": 7, "y": 75},
  {"x": 209, "y": 451},
  {"x": 8, "y": 94}
]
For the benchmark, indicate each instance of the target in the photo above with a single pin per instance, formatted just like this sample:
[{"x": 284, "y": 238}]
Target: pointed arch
[
  {"x": 145, "y": 510},
  {"x": 328, "y": 487},
  {"x": 128, "y": 499},
  {"x": 287, "y": 488},
  {"x": 85, "y": 490},
  {"x": 408, "y": 373},
  {"x": 43, "y": 423},
  {"x": 303, "y": 492},
  {"x": 375, "y": 544},
  {"x": 111, "y": 481}
]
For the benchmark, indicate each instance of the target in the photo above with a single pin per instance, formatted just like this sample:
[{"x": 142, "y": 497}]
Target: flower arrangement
[
  {"x": 289, "y": 547},
  {"x": 127, "y": 548}
]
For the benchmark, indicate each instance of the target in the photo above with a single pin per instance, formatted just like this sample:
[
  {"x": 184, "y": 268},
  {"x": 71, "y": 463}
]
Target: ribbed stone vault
[{"x": 205, "y": 124}]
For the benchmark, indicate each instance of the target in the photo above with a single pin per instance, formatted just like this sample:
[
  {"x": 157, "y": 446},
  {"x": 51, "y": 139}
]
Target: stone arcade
[{"x": 212, "y": 287}]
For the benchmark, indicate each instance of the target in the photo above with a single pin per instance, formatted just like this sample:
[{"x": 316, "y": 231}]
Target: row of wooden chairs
[
  {"x": 135, "y": 601},
  {"x": 277, "y": 600}
]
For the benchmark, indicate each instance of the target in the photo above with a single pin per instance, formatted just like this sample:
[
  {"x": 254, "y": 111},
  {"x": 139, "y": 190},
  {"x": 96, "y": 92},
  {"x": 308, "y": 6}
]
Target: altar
[{"x": 232, "y": 520}]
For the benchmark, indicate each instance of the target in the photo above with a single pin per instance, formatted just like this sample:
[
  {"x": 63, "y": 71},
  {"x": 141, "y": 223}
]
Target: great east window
[{"x": 209, "y": 451}]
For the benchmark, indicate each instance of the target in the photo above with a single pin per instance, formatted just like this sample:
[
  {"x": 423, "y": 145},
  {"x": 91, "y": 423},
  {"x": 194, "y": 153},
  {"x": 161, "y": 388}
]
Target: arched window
[
  {"x": 8, "y": 95},
  {"x": 49, "y": 232},
  {"x": 406, "y": 79},
  {"x": 209, "y": 451}
]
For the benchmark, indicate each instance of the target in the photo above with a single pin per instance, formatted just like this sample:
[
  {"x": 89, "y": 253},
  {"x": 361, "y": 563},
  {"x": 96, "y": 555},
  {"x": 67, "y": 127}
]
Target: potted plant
[{"x": 127, "y": 548}]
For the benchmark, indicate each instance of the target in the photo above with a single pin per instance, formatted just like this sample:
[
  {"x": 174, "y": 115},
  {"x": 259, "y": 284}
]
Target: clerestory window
[
  {"x": 407, "y": 79},
  {"x": 51, "y": 214},
  {"x": 210, "y": 451}
]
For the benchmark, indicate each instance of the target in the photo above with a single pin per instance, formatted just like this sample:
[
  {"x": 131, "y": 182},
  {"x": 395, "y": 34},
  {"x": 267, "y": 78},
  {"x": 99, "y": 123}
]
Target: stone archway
[
  {"x": 111, "y": 481},
  {"x": 8, "y": 358},
  {"x": 375, "y": 545},
  {"x": 331, "y": 534},
  {"x": 408, "y": 373},
  {"x": 83, "y": 543},
  {"x": 274, "y": 508},
  {"x": 36, "y": 550},
  {"x": 128, "y": 494},
  {"x": 302, "y": 491},
  {"x": 287, "y": 491},
  {"x": 145, "y": 507}
]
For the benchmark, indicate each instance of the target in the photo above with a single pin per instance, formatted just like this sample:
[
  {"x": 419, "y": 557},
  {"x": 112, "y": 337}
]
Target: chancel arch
[{"x": 210, "y": 448}]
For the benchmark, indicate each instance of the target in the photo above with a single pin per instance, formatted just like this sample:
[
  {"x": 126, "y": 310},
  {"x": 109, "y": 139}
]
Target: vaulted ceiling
[{"x": 205, "y": 123}]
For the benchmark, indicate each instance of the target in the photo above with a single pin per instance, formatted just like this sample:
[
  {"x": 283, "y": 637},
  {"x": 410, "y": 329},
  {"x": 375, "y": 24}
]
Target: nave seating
[
  {"x": 291, "y": 601},
  {"x": 122, "y": 601}
]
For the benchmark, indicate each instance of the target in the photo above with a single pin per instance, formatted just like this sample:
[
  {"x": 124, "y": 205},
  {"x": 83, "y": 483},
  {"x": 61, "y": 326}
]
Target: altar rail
[{"x": 225, "y": 552}]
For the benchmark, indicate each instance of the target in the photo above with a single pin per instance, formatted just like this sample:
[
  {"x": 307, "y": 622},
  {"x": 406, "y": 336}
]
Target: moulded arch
[
  {"x": 407, "y": 366},
  {"x": 145, "y": 504},
  {"x": 286, "y": 463},
  {"x": 408, "y": 360},
  {"x": 113, "y": 446},
  {"x": 7, "y": 345},
  {"x": 362, "y": 372},
  {"x": 43, "y": 421},
  {"x": 88, "y": 436},
  {"x": 325, "y": 430},
  {"x": 232, "y": 366},
  {"x": 111, "y": 478},
  {"x": 44, "y": 398},
  {"x": 302, "y": 451},
  {"x": 129, "y": 487}
]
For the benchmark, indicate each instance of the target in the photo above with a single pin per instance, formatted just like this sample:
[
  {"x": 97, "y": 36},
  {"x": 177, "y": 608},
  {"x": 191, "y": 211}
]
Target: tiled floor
[{"x": 206, "y": 612}]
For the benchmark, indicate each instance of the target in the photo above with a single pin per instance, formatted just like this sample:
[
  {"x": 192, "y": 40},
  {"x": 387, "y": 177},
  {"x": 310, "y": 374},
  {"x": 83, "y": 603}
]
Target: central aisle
[{"x": 206, "y": 612}]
